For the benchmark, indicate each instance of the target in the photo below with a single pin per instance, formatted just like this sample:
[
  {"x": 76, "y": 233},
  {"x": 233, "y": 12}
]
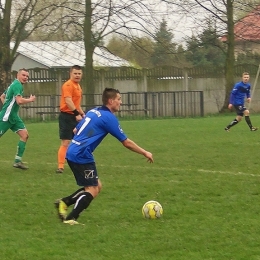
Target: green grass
[{"x": 206, "y": 179}]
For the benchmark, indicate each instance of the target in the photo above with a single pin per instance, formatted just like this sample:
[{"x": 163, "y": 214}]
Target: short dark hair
[
  {"x": 75, "y": 67},
  {"x": 109, "y": 93}
]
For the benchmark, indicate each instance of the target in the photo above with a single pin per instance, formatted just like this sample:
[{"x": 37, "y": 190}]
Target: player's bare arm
[
  {"x": 20, "y": 100},
  {"x": 81, "y": 112},
  {"x": 72, "y": 107},
  {"x": 131, "y": 145},
  {"x": 2, "y": 98}
]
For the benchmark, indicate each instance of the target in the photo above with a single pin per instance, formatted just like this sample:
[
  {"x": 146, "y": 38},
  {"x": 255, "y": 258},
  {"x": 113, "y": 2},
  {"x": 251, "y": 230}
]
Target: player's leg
[
  {"x": 248, "y": 121},
  {"x": 67, "y": 123},
  {"x": 85, "y": 175},
  {"x": 239, "y": 111},
  {"x": 63, "y": 203},
  {"x": 20, "y": 129},
  {"x": 62, "y": 154},
  {"x": 4, "y": 126}
]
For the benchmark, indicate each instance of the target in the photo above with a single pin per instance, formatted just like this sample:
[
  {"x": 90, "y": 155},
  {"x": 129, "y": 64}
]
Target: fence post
[
  {"x": 202, "y": 103},
  {"x": 102, "y": 73},
  {"x": 186, "y": 82},
  {"x": 144, "y": 80},
  {"x": 59, "y": 82}
]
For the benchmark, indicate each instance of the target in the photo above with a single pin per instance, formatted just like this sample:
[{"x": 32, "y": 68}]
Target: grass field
[{"x": 206, "y": 179}]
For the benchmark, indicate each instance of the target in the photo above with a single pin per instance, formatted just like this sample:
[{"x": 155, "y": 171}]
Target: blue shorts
[
  {"x": 85, "y": 174},
  {"x": 240, "y": 109}
]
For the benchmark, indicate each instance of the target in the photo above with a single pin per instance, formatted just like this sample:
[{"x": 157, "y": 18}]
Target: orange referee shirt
[{"x": 73, "y": 90}]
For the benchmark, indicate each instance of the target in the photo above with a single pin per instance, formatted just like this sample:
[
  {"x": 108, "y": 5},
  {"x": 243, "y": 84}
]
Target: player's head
[
  {"x": 112, "y": 99},
  {"x": 245, "y": 77},
  {"x": 23, "y": 75},
  {"x": 76, "y": 73}
]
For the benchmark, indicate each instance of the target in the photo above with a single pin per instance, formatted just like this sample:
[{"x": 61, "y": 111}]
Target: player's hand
[
  {"x": 32, "y": 98},
  {"x": 78, "y": 117},
  {"x": 149, "y": 157},
  {"x": 230, "y": 106},
  {"x": 248, "y": 100}
]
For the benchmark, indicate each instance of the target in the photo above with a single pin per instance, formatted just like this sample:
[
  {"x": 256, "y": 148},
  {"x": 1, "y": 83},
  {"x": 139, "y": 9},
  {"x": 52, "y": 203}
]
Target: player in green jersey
[{"x": 12, "y": 98}]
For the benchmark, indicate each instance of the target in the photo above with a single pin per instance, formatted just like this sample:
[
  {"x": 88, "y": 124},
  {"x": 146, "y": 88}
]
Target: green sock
[{"x": 20, "y": 150}]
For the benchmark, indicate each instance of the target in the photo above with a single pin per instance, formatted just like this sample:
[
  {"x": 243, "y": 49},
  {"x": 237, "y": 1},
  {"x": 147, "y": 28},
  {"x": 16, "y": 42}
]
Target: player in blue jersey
[
  {"x": 238, "y": 94},
  {"x": 89, "y": 133},
  {"x": 12, "y": 98}
]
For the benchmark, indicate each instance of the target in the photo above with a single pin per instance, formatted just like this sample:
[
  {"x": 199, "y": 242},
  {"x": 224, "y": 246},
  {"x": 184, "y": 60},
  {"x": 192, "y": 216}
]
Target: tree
[
  {"x": 142, "y": 48},
  {"x": 137, "y": 50},
  {"x": 101, "y": 18},
  {"x": 164, "y": 48},
  {"x": 225, "y": 13},
  {"x": 206, "y": 49},
  {"x": 222, "y": 11},
  {"x": 18, "y": 20}
]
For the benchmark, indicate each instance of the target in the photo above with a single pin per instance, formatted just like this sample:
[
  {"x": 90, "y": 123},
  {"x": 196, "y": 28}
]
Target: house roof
[
  {"x": 56, "y": 54},
  {"x": 247, "y": 28}
]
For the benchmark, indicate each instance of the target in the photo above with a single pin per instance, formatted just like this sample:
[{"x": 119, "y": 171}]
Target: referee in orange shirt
[{"x": 70, "y": 112}]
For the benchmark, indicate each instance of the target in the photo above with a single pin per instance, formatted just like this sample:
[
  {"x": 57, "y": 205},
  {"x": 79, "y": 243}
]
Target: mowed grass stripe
[{"x": 157, "y": 168}]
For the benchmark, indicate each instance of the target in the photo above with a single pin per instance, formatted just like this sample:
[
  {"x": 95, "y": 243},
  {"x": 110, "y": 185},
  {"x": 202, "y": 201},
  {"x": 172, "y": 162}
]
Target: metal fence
[{"x": 134, "y": 105}]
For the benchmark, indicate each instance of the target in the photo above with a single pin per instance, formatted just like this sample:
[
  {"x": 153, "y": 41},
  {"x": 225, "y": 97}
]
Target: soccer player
[
  {"x": 238, "y": 94},
  {"x": 12, "y": 98},
  {"x": 89, "y": 133},
  {"x": 70, "y": 112}
]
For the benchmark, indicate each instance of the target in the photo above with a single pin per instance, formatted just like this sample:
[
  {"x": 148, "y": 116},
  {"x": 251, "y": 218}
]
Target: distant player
[
  {"x": 241, "y": 91},
  {"x": 89, "y": 133},
  {"x": 12, "y": 98}
]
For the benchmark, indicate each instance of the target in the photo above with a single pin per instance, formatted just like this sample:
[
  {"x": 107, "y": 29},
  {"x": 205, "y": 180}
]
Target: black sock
[
  {"x": 247, "y": 118},
  {"x": 234, "y": 122},
  {"x": 71, "y": 199},
  {"x": 82, "y": 203}
]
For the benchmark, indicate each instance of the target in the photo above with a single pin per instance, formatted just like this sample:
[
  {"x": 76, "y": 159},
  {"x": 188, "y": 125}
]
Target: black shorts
[
  {"x": 85, "y": 174},
  {"x": 67, "y": 122},
  {"x": 240, "y": 110}
]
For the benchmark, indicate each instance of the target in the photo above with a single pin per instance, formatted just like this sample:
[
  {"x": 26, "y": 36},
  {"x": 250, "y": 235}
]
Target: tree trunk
[
  {"x": 88, "y": 87},
  {"x": 230, "y": 59},
  {"x": 5, "y": 56}
]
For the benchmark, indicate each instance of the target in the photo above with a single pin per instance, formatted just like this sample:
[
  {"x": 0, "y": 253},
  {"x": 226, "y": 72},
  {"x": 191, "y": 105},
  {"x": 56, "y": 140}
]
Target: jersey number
[{"x": 87, "y": 120}]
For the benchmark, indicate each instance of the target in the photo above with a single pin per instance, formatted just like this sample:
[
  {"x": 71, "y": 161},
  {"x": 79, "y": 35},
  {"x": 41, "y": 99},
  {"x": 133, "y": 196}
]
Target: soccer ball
[{"x": 152, "y": 209}]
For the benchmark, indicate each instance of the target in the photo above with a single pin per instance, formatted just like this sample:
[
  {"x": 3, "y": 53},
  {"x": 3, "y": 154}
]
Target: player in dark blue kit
[
  {"x": 241, "y": 91},
  {"x": 89, "y": 133}
]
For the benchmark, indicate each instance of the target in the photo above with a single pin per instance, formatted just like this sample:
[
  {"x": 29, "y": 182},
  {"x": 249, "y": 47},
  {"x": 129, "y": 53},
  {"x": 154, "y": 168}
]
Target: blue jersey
[
  {"x": 240, "y": 91},
  {"x": 91, "y": 130}
]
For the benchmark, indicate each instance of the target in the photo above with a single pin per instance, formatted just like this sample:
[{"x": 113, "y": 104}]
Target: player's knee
[
  {"x": 93, "y": 190},
  {"x": 99, "y": 188},
  {"x": 246, "y": 113},
  {"x": 24, "y": 137},
  {"x": 65, "y": 143}
]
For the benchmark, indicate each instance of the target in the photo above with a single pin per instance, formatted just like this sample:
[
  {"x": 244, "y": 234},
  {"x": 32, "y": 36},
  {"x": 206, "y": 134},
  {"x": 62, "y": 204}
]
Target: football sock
[
  {"x": 71, "y": 199},
  {"x": 81, "y": 204},
  {"x": 20, "y": 150},
  {"x": 234, "y": 122},
  {"x": 61, "y": 156},
  {"x": 247, "y": 118}
]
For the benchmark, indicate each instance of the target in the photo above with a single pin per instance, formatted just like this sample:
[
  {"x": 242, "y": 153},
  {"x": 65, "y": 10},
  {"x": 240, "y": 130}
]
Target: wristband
[{"x": 75, "y": 112}]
